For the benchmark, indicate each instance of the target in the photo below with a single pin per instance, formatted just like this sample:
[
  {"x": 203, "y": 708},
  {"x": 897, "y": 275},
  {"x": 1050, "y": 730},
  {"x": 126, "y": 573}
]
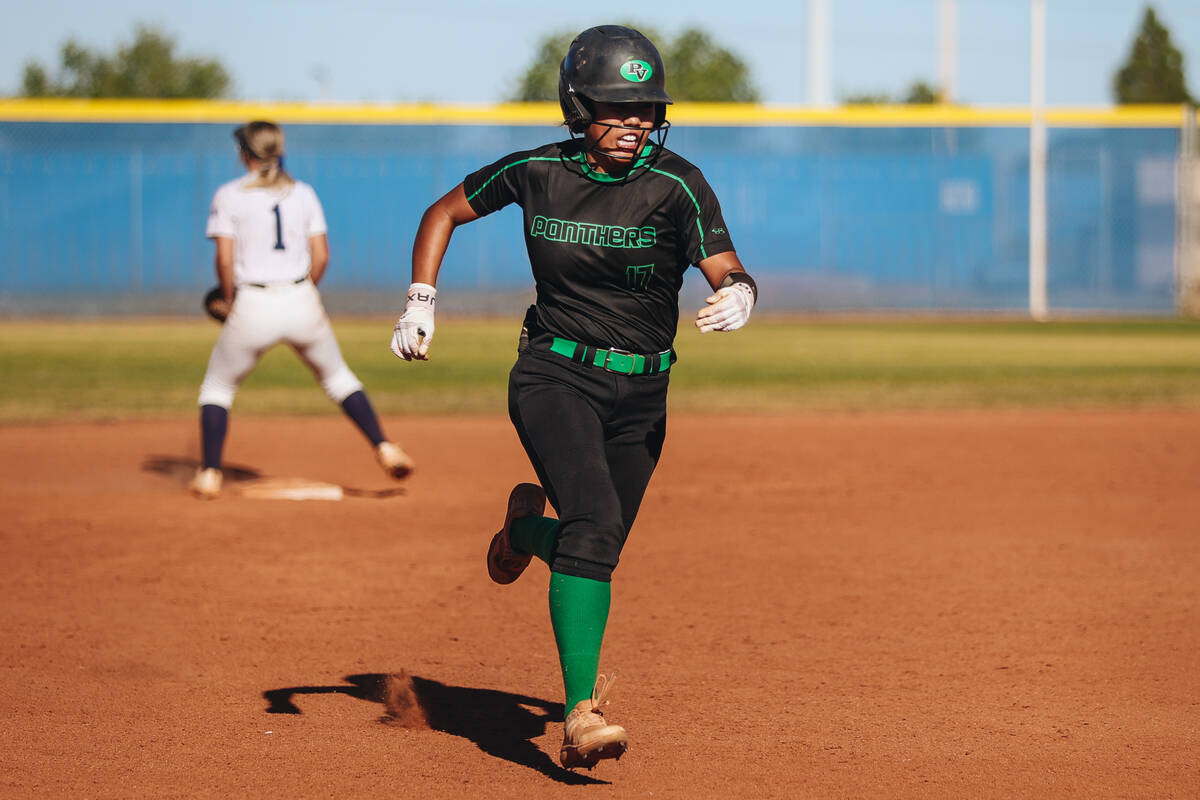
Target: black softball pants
[{"x": 594, "y": 438}]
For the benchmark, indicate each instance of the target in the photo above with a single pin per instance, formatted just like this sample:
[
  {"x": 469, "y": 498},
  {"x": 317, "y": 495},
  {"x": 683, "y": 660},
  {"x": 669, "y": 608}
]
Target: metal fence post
[
  {"x": 1038, "y": 297},
  {"x": 136, "y": 215},
  {"x": 1187, "y": 216}
]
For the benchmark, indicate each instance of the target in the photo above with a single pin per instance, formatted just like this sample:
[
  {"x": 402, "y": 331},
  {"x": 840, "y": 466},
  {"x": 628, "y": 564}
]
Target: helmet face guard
[{"x": 639, "y": 163}]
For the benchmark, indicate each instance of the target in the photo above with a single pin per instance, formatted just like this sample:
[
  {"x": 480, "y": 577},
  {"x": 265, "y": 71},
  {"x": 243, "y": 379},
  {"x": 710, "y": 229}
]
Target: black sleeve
[
  {"x": 702, "y": 226},
  {"x": 496, "y": 185}
]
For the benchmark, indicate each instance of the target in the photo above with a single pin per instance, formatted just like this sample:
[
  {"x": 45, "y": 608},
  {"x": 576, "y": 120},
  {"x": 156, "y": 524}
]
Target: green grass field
[{"x": 120, "y": 369}]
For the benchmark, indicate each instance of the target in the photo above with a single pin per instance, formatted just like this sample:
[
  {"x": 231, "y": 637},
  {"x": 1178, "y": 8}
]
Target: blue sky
[{"x": 470, "y": 51}]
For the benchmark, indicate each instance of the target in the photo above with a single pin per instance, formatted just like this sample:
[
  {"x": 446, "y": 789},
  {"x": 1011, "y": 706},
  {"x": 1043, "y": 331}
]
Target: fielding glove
[{"x": 215, "y": 304}]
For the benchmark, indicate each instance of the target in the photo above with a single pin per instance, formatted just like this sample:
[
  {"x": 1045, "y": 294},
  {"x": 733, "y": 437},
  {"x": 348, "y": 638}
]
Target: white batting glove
[
  {"x": 414, "y": 330},
  {"x": 728, "y": 309}
]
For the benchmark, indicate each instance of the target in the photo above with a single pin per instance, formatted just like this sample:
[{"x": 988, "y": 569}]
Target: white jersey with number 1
[
  {"x": 270, "y": 228},
  {"x": 275, "y": 302}
]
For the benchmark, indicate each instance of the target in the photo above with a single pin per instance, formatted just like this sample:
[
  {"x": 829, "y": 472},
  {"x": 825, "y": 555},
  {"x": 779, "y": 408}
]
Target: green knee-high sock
[
  {"x": 534, "y": 535},
  {"x": 578, "y": 612}
]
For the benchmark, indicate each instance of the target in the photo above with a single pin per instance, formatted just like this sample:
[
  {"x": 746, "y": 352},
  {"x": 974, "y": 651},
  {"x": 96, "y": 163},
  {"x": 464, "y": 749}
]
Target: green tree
[
  {"x": 147, "y": 67},
  {"x": 920, "y": 92},
  {"x": 539, "y": 82},
  {"x": 1153, "y": 72},
  {"x": 917, "y": 93},
  {"x": 867, "y": 99},
  {"x": 698, "y": 69}
]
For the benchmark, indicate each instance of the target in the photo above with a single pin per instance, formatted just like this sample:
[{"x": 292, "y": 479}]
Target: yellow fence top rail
[{"x": 716, "y": 114}]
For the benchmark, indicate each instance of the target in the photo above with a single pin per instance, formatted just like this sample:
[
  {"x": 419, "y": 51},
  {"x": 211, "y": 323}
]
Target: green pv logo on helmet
[{"x": 636, "y": 71}]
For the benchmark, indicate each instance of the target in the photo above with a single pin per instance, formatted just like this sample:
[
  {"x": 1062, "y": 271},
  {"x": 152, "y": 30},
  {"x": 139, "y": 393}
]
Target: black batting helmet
[{"x": 610, "y": 64}]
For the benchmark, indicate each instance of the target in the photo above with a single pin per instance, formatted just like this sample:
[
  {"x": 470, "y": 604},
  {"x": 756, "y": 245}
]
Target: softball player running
[
  {"x": 272, "y": 246},
  {"x": 612, "y": 221}
]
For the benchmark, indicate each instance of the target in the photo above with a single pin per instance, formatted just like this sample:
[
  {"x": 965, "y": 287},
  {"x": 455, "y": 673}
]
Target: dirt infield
[{"x": 966, "y": 605}]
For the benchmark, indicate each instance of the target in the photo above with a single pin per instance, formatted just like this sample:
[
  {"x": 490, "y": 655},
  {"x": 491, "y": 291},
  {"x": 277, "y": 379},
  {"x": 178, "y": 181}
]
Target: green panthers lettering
[{"x": 590, "y": 233}]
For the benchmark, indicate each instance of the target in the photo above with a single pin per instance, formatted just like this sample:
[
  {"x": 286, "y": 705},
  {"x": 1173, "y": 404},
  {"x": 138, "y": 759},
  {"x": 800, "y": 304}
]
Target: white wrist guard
[{"x": 421, "y": 295}]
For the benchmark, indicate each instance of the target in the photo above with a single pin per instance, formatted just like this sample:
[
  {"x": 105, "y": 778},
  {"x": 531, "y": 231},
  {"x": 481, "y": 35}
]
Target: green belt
[{"x": 617, "y": 361}]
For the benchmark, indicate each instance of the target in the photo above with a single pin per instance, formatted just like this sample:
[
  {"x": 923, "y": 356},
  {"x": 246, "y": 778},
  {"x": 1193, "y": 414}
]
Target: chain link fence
[{"x": 108, "y": 216}]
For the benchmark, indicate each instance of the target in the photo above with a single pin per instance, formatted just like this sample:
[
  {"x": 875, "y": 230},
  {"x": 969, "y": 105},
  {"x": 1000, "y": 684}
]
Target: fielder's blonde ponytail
[{"x": 263, "y": 141}]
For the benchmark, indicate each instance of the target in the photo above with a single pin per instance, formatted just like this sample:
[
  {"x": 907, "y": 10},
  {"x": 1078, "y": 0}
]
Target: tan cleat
[
  {"x": 395, "y": 462},
  {"x": 206, "y": 485},
  {"x": 504, "y": 563},
  {"x": 587, "y": 738}
]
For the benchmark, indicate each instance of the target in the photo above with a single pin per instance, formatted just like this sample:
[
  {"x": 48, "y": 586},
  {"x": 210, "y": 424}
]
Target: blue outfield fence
[{"x": 825, "y": 216}]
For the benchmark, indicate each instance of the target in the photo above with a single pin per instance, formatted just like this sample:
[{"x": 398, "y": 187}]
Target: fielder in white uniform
[{"x": 272, "y": 251}]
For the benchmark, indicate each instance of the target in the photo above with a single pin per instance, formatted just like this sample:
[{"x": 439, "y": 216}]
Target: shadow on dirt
[
  {"x": 501, "y": 724},
  {"x": 180, "y": 470}
]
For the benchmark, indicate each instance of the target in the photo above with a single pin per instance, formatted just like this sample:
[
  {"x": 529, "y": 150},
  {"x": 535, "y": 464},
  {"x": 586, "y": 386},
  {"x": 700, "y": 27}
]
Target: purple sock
[
  {"x": 213, "y": 422},
  {"x": 358, "y": 408}
]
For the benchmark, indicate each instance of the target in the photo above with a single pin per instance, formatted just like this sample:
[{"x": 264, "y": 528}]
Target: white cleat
[
  {"x": 395, "y": 462},
  {"x": 206, "y": 485},
  {"x": 587, "y": 736}
]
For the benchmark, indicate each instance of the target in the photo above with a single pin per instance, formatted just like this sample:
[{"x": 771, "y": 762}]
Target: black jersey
[{"x": 608, "y": 255}]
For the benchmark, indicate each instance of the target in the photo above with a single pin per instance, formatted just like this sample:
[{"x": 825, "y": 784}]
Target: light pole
[
  {"x": 819, "y": 93},
  {"x": 947, "y": 50},
  {"x": 1038, "y": 303}
]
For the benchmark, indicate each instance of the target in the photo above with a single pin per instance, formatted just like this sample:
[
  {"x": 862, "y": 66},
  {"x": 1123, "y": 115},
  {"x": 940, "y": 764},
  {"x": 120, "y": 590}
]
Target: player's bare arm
[
  {"x": 224, "y": 266},
  {"x": 433, "y": 234},
  {"x": 318, "y": 250},
  {"x": 717, "y": 268},
  {"x": 733, "y": 297},
  {"x": 413, "y": 332}
]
